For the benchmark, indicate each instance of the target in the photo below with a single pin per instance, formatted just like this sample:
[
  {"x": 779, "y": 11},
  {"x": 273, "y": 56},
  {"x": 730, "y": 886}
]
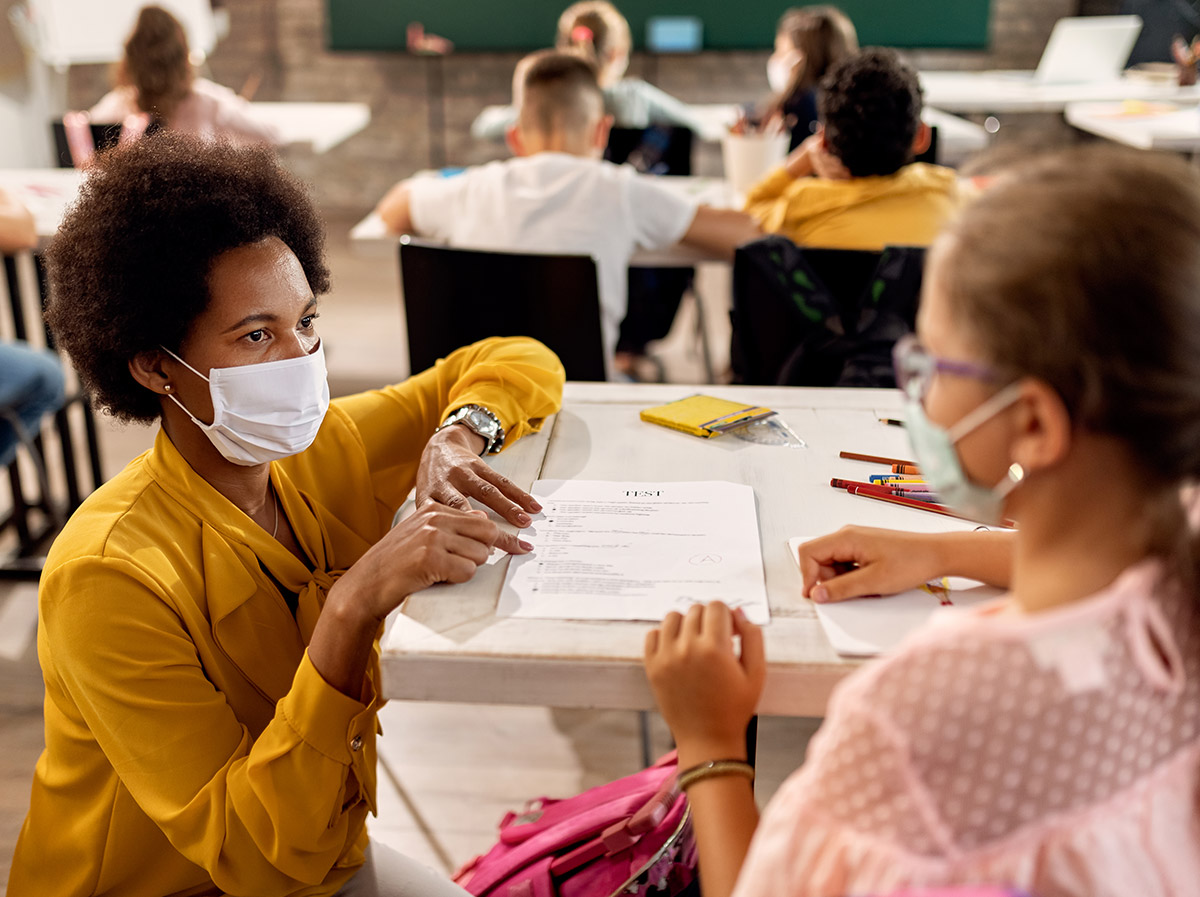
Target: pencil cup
[{"x": 749, "y": 157}]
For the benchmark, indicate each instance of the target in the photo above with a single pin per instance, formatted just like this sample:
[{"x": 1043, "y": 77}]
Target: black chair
[
  {"x": 35, "y": 517},
  {"x": 821, "y": 317},
  {"x": 104, "y": 136},
  {"x": 454, "y": 297}
]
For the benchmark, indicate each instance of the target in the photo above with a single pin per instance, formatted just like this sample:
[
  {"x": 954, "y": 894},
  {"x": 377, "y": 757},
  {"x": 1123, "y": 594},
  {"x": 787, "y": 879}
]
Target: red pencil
[
  {"x": 913, "y": 503},
  {"x": 875, "y": 489},
  {"x": 876, "y": 459},
  {"x": 881, "y": 488}
]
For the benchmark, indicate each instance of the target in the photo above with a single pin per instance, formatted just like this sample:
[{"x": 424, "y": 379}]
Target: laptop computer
[{"x": 1087, "y": 49}]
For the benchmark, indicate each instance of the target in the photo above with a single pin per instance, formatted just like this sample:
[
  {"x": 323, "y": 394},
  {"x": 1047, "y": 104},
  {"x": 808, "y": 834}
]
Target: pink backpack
[{"x": 632, "y": 836}]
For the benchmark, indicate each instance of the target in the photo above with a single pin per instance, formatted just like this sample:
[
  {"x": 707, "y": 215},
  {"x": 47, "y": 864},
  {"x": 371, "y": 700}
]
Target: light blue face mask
[{"x": 940, "y": 464}]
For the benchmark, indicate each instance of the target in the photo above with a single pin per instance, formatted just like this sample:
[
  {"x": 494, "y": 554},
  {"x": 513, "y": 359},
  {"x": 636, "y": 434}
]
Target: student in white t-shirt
[{"x": 558, "y": 195}]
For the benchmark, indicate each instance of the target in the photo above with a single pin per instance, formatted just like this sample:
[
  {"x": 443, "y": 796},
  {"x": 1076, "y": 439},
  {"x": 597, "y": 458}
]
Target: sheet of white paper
[
  {"x": 636, "y": 551},
  {"x": 865, "y": 627}
]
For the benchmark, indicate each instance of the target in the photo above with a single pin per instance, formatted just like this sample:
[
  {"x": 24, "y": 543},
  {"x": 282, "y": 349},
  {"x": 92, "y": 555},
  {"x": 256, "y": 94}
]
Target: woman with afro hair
[{"x": 208, "y": 619}]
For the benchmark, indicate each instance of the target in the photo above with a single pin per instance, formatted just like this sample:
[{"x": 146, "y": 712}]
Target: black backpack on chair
[{"x": 821, "y": 317}]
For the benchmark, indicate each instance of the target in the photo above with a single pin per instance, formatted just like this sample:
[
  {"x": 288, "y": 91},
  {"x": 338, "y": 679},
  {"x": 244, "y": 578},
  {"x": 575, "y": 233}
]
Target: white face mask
[
  {"x": 780, "y": 68},
  {"x": 942, "y": 468},
  {"x": 264, "y": 412}
]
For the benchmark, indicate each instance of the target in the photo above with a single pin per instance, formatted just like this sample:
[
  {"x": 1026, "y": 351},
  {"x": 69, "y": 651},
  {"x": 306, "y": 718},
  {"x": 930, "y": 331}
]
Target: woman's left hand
[
  {"x": 452, "y": 472},
  {"x": 705, "y": 691}
]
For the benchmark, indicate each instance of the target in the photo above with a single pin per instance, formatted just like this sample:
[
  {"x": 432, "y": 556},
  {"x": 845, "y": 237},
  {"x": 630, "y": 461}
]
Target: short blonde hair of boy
[{"x": 556, "y": 91}]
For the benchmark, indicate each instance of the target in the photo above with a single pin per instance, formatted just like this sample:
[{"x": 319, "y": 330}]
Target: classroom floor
[{"x": 448, "y": 772}]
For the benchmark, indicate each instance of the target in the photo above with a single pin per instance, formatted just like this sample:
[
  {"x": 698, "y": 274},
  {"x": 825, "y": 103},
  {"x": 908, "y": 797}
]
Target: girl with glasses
[{"x": 1049, "y": 741}]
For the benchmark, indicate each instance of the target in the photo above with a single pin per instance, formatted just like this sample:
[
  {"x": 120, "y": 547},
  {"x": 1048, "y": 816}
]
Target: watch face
[{"x": 481, "y": 423}]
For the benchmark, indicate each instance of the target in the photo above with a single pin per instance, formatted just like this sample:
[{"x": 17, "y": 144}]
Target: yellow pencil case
[{"x": 704, "y": 416}]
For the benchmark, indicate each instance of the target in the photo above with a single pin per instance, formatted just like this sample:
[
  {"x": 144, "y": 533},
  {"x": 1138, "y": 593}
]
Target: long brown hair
[
  {"x": 825, "y": 36},
  {"x": 595, "y": 29},
  {"x": 1082, "y": 268},
  {"x": 156, "y": 62}
]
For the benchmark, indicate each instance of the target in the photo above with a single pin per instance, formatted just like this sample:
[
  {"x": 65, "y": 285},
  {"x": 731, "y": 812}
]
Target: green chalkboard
[{"x": 749, "y": 24}]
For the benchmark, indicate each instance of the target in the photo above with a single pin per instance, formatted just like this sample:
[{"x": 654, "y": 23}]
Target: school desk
[
  {"x": 1016, "y": 91},
  {"x": 46, "y": 192},
  {"x": 1146, "y": 125},
  {"x": 323, "y": 125},
  {"x": 958, "y": 139},
  {"x": 447, "y": 644}
]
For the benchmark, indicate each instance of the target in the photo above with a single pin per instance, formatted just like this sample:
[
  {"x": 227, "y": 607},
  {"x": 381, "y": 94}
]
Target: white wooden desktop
[
  {"x": 957, "y": 138},
  {"x": 1016, "y": 91},
  {"x": 46, "y": 192},
  {"x": 323, "y": 125},
  {"x": 447, "y": 644},
  {"x": 1154, "y": 126}
]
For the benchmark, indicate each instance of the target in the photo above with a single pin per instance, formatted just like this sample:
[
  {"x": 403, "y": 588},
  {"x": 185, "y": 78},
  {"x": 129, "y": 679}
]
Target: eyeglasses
[{"x": 915, "y": 367}]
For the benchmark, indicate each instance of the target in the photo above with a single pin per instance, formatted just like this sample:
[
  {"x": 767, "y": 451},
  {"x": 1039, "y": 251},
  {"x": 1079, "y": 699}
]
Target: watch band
[{"x": 493, "y": 435}]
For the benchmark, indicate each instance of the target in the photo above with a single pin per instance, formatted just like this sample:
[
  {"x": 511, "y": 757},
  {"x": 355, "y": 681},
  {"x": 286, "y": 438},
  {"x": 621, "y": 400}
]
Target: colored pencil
[
  {"x": 912, "y": 503},
  {"x": 906, "y": 468},
  {"x": 887, "y": 491},
  {"x": 891, "y": 422},
  {"x": 876, "y": 488},
  {"x": 876, "y": 459}
]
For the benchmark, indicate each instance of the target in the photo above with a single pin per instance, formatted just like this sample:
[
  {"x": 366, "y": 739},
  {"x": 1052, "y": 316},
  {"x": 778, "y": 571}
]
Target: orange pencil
[{"x": 906, "y": 468}]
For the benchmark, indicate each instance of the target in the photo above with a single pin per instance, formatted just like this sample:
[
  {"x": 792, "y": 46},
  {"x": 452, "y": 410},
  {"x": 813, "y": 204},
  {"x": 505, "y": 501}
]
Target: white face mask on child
[
  {"x": 780, "y": 68},
  {"x": 264, "y": 412}
]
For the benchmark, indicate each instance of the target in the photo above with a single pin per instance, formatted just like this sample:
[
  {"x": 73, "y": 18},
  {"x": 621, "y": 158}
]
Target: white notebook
[{"x": 866, "y": 627}]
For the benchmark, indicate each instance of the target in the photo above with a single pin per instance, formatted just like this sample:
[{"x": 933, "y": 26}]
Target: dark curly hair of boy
[
  {"x": 128, "y": 269},
  {"x": 870, "y": 105}
]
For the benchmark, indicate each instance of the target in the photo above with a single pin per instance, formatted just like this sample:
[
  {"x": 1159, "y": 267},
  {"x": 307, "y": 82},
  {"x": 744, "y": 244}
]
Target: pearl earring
[{"x": 167, "y": 387}]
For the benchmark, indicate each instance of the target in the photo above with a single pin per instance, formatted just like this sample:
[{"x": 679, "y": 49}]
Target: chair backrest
[
  {"x": 454, "y": 297},
  {"x": 658, "y": 149},
  {"x": 821, "y": 317},
  {"x": 104, "y": 136}
]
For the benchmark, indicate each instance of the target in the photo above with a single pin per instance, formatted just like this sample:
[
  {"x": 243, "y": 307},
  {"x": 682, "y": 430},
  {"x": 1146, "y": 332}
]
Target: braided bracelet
[{"x": 713, "y": 768}]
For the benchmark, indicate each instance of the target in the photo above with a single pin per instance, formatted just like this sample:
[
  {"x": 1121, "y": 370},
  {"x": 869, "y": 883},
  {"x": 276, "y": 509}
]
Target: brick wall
[{"x": 283, "y": 41}]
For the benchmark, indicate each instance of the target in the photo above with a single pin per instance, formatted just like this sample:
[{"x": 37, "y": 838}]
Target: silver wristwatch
[{"x": 480, "y": 421}]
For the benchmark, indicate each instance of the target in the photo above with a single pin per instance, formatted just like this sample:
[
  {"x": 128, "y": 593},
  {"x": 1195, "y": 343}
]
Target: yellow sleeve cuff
[{"x": 331, "y": 723}]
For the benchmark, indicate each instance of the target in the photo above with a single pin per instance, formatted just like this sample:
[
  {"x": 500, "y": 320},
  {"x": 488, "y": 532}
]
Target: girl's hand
[
  {"x": 858, "y": 560},
  {"x": 705, "y": 691},
  {"x": 435, "y": 544}
]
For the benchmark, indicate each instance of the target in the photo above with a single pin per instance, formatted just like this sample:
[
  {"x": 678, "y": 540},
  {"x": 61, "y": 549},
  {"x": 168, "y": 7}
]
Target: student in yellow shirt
[
  {"x": 208, "y": 619},
  {"x": 853, "y": 184}
]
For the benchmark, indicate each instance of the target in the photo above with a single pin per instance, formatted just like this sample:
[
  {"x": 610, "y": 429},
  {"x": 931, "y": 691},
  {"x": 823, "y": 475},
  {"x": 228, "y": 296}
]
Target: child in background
[
  {"x": 599, "y": 33},
  {"x": 155, "y": 78},
  {"x": 1049, "y": 741},
  {"x": 809, "y": 41},
  {"x": 31, "y": 380},
  {"x": 558, "y": 195},
  {"x": 853, "y": 184}
]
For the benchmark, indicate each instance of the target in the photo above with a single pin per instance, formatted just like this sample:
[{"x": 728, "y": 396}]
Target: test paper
[{"x": 636, "y": 551}]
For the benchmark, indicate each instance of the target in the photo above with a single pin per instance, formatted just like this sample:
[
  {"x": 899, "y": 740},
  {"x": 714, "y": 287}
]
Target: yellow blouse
[
  {"x": 907, "y": 208},
  {"x": 191, "y": 747}
]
